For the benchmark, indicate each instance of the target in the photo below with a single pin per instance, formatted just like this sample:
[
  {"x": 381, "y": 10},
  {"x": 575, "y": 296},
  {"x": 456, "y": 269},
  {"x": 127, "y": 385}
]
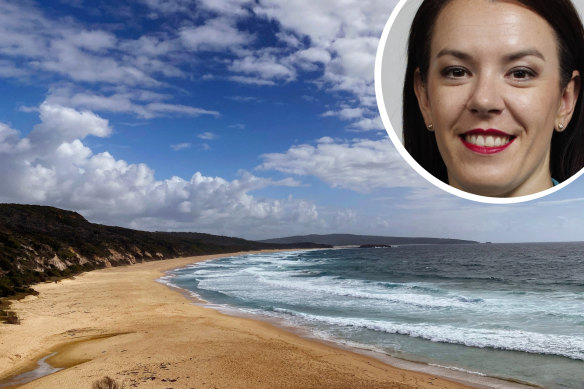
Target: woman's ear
[
  {"x": 568, "y": 101},
  {"x": 422, "y": 96}
]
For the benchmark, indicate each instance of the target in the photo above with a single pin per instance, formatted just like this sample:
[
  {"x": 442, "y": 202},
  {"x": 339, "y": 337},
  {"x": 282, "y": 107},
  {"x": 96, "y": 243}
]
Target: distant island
[
  {"x": 40, "y": 243},
  {"x": 359, "y": 240}
]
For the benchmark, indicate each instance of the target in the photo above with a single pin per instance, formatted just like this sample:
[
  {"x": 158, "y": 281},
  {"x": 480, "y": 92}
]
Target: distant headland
[{"x": 360, "y": 240}]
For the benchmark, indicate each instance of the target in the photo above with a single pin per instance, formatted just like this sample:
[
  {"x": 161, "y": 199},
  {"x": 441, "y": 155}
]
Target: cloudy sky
[{"x": 249, "y": 118}]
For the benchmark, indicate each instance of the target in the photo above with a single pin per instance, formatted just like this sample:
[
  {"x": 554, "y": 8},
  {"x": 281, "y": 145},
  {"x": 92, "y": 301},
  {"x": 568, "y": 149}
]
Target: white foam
[
  {"x": 417, "y": 295},
  {"x": 440, "y": 313},
  {"x": 512, "y": 340},
  {"x": 360, "y": 290},
  {"x": 458, "y": 369}
]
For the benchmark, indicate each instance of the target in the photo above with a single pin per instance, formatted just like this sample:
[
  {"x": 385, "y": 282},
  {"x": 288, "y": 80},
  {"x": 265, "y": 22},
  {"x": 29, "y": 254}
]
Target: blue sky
[{"x": 245, "y": 118}]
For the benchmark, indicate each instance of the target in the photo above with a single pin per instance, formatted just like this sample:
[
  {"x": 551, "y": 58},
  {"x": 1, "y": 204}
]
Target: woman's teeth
[{"x": 487, "y": 140}]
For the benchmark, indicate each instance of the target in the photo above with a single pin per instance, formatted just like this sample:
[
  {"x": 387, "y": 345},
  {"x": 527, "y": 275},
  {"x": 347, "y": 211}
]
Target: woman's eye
[
  {"x": 521, "y": 74},
  {"x": 455, "y": 72}
]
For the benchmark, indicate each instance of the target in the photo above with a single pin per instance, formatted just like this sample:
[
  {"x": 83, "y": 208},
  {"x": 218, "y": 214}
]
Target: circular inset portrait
[{"x": 484, "y": 97}]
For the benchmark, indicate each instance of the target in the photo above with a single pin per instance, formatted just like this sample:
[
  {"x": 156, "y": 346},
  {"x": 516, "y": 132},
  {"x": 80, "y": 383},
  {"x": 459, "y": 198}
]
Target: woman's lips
[{"x": 489, "y": 141}]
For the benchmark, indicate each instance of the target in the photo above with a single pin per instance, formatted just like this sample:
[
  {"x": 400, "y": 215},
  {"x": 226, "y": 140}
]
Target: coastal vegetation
[
  {"x": 107, "y": 383},
  {"x": 40, "y": 243}
]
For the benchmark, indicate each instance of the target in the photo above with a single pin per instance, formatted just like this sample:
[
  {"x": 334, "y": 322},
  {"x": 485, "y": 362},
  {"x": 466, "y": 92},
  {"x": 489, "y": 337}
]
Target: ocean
[{"x": 513, "y": 311}]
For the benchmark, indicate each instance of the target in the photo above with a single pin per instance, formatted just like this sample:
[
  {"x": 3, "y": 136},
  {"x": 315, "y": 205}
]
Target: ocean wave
[
  {"x": 330, "y": 286},
  {"x": 356, "y": 289},
  {"x": 502, "y": 339},
  {"x": 256, "y": 281},
  {"x": 419, "y": 295}
]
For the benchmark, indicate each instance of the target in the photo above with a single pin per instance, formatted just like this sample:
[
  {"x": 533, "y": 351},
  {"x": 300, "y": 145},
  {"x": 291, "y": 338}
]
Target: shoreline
[
  {"x": 473, "y": 379},
  {"x": 120, "y": 322}
]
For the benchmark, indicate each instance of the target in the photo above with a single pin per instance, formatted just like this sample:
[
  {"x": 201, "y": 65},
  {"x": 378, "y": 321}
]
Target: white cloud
[
  {"x": 207, "y": 136},
  {"x": 18, "y": 24},
  {"x": 289, "y": 39},
  {"x": 67, "y": 124},
  {"x": 118, "y": 102},
  {"x": 231, "y": 8},
  {"x": 244, "y": 99},
  {"x": 314, "y": 54},
  {"x": 349, "y": 32},
  {"x": 368, "y": 124},
  {"x": 142, "y": 103},
  {"x": 53, "y": 166},
  {"x": 252, "y": 80},
  {"x": 553, "y": 203},
  {"x": 361, "y": 118},
  {"x": 215, "y": 35},
  {"x": 355, "y": 58},
  {"x": 168, "y": 6},
  {"x": 151, "y": 45},
  {"x": 179, "y": 109},
  {"x": 33, "y": 43},
  {"x": 180, "y": 146},
  {"x": 309, "y": 59},
  {"x": 64, "y": 58},
  {"x": 342, "y": 40},
  {"x": 93, "y": 40},
  {"x": 344, "y": 218},
  {"x": 9, "y": 69},
  {"x": 320, "y": 20},
  {"x": 361, "y": 165},
  {"x": 10, "y": 141},
  {"x": 222, "y": 7},
  {"x": 263, "y": 65},
  {"x": 346, "y": 113}
]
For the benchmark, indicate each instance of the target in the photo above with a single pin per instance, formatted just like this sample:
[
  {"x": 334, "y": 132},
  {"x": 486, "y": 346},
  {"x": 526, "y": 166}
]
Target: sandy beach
[{"x": 119, "y": 322}]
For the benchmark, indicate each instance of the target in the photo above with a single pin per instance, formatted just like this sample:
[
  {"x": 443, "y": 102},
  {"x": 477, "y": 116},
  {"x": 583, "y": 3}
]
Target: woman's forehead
[{"x": 495, "y": 27}]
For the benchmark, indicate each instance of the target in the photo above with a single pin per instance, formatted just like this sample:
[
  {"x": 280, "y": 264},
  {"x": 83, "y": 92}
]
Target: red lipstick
[{"x": 476, "y": 140}]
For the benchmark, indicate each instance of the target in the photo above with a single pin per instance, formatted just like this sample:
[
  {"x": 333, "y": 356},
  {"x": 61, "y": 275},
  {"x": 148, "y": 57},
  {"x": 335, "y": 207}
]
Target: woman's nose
[{"x": 485, "y": 97}]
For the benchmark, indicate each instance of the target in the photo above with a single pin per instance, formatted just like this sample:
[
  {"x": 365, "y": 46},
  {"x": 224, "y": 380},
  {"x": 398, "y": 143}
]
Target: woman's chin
[
  {"x": 489, "y": 185},
  {"x": 487, "y": 190}
]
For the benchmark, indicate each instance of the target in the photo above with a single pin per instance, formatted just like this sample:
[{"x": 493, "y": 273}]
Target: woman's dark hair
[{"x": 567, "y": 149}]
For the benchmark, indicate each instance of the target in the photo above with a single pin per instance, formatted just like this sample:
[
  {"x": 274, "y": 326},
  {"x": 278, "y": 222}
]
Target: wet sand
[{"x": 119, "y": 322}]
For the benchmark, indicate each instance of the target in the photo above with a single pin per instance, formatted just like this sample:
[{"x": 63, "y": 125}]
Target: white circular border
[{"x": 406, "y": 155}]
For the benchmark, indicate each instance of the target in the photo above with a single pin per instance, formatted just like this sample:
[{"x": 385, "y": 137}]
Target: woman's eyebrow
[
  {"x": 524, "y": 53},
  {"x": 508, "y": 57},
  {"x": 455, "y": 53}
]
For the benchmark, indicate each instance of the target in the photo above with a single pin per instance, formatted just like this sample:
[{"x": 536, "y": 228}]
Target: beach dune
[{"x": 119, "y": 322}]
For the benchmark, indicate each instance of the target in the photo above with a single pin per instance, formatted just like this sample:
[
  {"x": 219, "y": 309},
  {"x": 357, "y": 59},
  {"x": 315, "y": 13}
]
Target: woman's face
[{"x": 493, "y": 96}]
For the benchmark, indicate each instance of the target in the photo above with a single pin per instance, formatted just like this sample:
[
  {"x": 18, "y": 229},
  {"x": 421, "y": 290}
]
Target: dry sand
[{"x": 119, "y": 322}]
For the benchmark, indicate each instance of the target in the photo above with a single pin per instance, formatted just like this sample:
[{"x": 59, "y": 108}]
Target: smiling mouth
[{"x": 486, "y": 141}]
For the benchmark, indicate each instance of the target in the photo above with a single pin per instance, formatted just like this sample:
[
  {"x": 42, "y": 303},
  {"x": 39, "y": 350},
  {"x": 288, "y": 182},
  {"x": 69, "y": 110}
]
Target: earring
[
  {"x": 560, "y": 126},
  {"x": 430, "y": 127}
]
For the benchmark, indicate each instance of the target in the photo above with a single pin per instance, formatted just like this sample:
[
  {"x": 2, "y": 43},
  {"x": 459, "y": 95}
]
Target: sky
[{"x": 254, "y": 119}]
